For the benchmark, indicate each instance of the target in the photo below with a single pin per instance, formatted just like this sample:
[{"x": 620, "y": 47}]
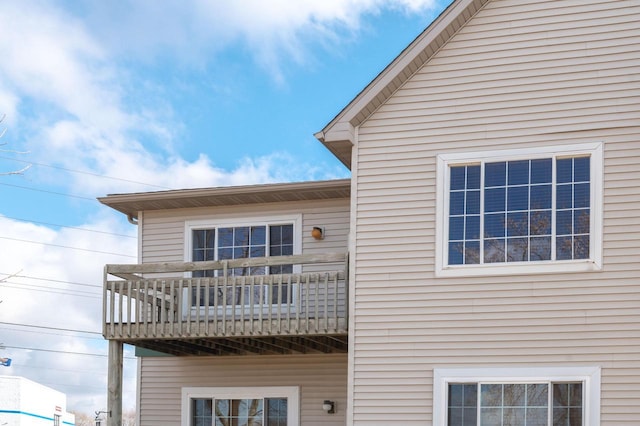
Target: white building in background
[{"x": 26, "y": 403}]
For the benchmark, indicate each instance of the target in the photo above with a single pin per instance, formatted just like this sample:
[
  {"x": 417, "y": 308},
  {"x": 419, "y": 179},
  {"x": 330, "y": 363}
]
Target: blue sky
[{"x": 126, "y": 96}]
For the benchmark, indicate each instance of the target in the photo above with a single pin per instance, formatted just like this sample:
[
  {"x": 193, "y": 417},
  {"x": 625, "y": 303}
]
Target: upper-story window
[
  {"x": 530, "y": 207},
  {"x": 226, "y": 240}
]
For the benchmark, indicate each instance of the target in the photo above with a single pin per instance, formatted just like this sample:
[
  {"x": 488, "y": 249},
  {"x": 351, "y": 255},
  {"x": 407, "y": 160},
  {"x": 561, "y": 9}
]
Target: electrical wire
[
  {"x": 50, "y": 328},
  {"x": 10, "y": 275},
  {"x": 44, "y": 289},
  {"x": 85, "y": 173},
  {"x": 61, "y": 352},
  {"x": 49, "y": 192},
  {"x": 70, "y": 227},
  {"x": 67, "y": 247}
]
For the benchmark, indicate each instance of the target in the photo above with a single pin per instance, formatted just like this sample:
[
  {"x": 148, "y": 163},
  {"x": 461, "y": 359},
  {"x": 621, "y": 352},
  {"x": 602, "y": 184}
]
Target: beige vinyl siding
[
  {"x": 163, "y": 230},
  {"x": 319, "y": 377},
  {"x": 520, "y": 74}
]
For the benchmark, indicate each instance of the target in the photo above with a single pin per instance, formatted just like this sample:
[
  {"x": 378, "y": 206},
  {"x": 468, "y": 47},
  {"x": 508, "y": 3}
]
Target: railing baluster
[
  {"x": 129, "y": 301},
  {"x": 120, "y": 307},
  {"x": 295, "y": 303},
  {"x": 147, "y": 314},
  {"x": 207, "y": 304},
  {"x": 336, "y": 285},
  {"x": 154, "y": 307},
  {"x": 179, "y": 306}
]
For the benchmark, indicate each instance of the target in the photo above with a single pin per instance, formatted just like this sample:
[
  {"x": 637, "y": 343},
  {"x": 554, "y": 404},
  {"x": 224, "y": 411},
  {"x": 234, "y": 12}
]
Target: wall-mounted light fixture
[
  {"x": 318, "y": 232},
  {"x": 329, "y": 406}
]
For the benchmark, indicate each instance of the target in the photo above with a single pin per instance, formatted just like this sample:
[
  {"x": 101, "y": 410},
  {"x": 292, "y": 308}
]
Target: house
[
  {"x": 490, "y": 228},
  {"x": 24, "y": 402}
]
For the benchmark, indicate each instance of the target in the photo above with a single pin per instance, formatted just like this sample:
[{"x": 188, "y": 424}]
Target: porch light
[
  {"x": 329, "y": 406},
  {"x": 318, "y": 233}
]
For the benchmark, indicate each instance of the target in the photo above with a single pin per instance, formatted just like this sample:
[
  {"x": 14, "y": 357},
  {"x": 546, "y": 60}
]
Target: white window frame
[
  {"x": 593, "y": 263},
  {"x": 589, "y": 376},
  {"x": 238, "y": 221},
  {"x": 292, "y": 393}
]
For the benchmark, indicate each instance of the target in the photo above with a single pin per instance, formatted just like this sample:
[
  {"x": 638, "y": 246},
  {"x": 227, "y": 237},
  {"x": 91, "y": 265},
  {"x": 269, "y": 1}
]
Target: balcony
[{"x": 236, "y": 310}]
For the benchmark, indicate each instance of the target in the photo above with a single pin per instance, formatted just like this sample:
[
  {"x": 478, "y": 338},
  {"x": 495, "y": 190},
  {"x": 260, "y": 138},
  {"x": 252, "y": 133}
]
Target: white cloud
[
  {"x": 57, "y": 284},
  {"x": 61, "y": 81}
]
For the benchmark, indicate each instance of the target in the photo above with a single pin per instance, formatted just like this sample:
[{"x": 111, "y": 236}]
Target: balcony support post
[{"x": 114, "y": 397}]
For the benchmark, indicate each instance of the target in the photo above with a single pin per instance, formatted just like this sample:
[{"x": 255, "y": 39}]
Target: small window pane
[
  {"x": 241, "y": 236},
  {"x": 564, "y": 197},
  {"x": 456, "y": 203},
  {"x": 517, "y": 224},
  {"x": 540, "y": 248},
  {"x": 518, "y": 198},
  {"x": 518, "y": 172},
  {"x": 472, "y": 228},
  {"x": 258, "y": 235},
  {"x": 541, "y": 171},
  {"x": 540, "y": 223},
  {"x": 581, "y": 221},
  {"x": 494, "y": 225},
  {"x": 581, "y": 196},
  {"x": 581, "y": 247},
  {"x": 494, "y": 250},
  {"x": 564, "y": 172},
  {"x": 458, "y": 178},
  {"x": 494, "y": 200},
  {"x": 540, "y": 197},
  {"x": 517, "y": 250},
  {"x": 581, "y": 169},
  {"x": 225, "y": 237},
  {"x": 473, "y": 177},
  {"x": 456, "y": 228},
  {"x": 564, "y": 222},
  {"x": 456, "y": 253},
  {"x": 564, "y": 248},
  {"x": 473, "y": 202},
  {"x": 472, "y": 252},
  {"x": 495, "y": 174}
]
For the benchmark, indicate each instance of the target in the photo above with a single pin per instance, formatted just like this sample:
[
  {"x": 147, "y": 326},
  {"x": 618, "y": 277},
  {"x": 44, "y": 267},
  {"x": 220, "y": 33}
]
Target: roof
[
  {"x": 132, "y": 203},
  {"x": 339, "y": 135}
]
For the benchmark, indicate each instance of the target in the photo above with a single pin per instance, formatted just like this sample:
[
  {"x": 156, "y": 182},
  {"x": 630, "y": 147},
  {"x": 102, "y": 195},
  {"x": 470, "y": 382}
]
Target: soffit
[
  {"x": 410, "y": 60},
  {"x": 131, "y": 204}
]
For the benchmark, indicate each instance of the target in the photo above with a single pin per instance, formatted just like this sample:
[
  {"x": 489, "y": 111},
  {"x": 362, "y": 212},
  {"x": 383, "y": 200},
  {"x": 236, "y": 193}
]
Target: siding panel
[
  {"x": 535, "y": 73},
  {"x": 319, "y": 378}
]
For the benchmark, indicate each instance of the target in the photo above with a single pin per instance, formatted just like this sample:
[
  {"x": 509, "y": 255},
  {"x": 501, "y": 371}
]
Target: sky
[{"x": 137, "y": 95}]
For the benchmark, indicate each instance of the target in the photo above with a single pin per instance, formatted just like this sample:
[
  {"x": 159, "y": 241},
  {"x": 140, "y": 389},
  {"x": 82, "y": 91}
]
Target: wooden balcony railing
[{"x": 155, "y": 301}]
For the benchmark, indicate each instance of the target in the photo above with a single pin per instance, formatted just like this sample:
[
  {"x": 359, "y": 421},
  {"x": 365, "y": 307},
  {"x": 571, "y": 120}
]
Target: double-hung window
[
  {"x": 530, "y": 209},
  {"x": 260, "y": 406},
  {"x": 517, "y": 397}
]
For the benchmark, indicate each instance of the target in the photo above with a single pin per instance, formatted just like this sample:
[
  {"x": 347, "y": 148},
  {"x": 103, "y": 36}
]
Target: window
[
  {"x": 242, "y": 238},
  {"x": 241, "y": 242},
  {"x": 523, "y": 396},
  {"x": 533, "y": 208},
  {"x": 268, "y": 406},
  {"x": 56, "y": 420}
]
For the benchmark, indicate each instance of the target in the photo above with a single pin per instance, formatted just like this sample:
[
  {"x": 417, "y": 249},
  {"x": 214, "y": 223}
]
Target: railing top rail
[{"x": 164, "y": 267}]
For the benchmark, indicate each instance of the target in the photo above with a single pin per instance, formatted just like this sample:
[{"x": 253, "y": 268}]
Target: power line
[
  {"x": 52, "y": 334},
  {"x": 61, "y": 352},
  {"x": 44, "y": 289},
  {"x": 50, "y": 328},
  {"x": 67, "y": 247},
  {"x": 85, "y": 173},
  {"x": 48, "y": 192},
  {"x": 70, "y": 227},
  {"x": 9, "y": 275}
]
